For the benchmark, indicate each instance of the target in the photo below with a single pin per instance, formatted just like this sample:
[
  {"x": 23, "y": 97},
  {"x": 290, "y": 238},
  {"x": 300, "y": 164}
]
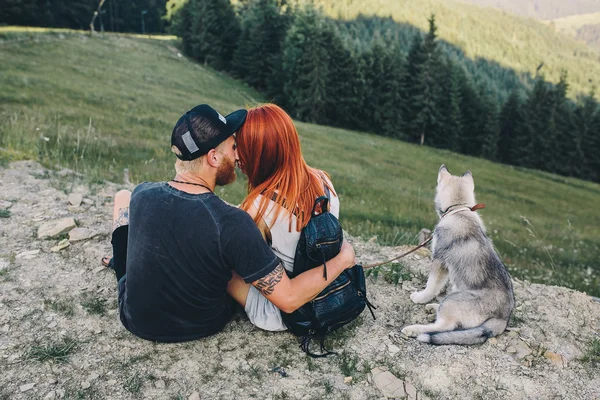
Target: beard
[{"x": 226, "y": 172}]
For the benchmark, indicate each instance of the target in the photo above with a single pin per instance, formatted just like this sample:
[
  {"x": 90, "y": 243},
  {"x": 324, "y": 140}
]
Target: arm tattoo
[
  {"x": 266, "y": 284},
  {"x": 122, "y": 218}
]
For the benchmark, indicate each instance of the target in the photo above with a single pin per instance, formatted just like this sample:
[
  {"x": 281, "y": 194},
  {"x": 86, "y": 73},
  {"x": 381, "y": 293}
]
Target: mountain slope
[
  {"x": 585, "y": 28},
  {"x": 542, "y": 9},
  {"x": 485, "y": 35},
  {"x": 102, "y": 104}
]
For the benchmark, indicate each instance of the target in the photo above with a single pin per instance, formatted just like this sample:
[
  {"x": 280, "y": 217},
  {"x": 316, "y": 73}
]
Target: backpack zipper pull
[{"x": 324, "y": 265}]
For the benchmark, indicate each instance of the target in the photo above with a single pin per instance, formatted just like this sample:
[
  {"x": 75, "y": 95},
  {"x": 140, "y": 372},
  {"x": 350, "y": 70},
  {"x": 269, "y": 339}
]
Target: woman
[{"x": 282, "y": 190}]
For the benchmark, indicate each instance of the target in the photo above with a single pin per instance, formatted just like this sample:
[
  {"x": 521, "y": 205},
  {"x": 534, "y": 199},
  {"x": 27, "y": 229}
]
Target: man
[{"x": 182, "y": 255}]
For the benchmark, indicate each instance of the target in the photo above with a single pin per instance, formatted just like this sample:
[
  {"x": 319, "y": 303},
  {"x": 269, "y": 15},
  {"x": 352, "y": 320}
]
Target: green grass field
[{"x": 102, "y": 104}]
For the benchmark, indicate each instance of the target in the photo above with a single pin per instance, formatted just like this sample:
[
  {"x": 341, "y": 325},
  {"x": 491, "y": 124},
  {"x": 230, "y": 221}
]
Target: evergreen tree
[
  {"x": 305, "y": 66},
  {"x": 451, "y": 124},
  {"x": 470, "y": 139},
  {"x": 587, "y": 119},
  {"x": 567, "y": 151},
  {"x": 345, "y": 85},
  {"x": 263, "y": 28},
  {"x": 423, "y": 86},
  {"x": 539, "y": 126},
  {"x": 511, "y": 129},
  {"x": 209, "y": 31},
  {"x": 489, "y": 127}
]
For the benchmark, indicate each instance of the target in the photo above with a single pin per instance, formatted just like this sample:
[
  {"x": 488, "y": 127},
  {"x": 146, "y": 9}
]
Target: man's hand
[{"x": 347, "y": 251}]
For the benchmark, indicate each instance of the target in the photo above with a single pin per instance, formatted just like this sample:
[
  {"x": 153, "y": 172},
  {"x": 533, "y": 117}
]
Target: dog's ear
[
  {"x": 443, "y": 173},
  {"x": 469, "y": 177}
]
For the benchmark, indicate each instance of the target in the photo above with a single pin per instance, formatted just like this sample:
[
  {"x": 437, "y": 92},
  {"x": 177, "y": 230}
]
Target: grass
[
  {"x": 592, "y": 353},
  {"x": 4, "y": 213},
  {"x": 55, "y": 351},
  {"x": 348, "y": 363},
  {"x": 99, "y": 105},
  {"x": 94, "y": 305},
  {"x": 61, "y": 306}
]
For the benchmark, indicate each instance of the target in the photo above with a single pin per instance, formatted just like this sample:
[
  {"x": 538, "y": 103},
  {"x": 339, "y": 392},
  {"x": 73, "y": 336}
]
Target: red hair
[{"x": 269, "y": 153}]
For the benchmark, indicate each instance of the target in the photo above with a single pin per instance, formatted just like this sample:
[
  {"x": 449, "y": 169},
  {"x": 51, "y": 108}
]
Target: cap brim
[{"x": 236, "y": 119}]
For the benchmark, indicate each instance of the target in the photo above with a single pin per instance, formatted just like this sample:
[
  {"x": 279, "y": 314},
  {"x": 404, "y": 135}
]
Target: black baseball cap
[{"x": 188, "y": 142}]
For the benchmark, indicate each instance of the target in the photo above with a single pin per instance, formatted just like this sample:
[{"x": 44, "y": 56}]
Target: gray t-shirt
[{"x": 181, "y": 250}]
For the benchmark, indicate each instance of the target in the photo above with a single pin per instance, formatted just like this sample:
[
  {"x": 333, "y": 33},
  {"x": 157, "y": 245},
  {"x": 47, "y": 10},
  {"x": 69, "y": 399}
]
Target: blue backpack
[{"x": 343, "y": 300}]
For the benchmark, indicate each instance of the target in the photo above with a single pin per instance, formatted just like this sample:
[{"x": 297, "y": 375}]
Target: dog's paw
[
  {"x": 421, "y": 297},
  {"x": 410, "y": 331},
  {"x": 432, "y": 307}
]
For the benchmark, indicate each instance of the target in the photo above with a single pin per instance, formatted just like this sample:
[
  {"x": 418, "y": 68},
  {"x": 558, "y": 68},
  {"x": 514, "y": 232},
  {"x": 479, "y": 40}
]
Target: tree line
[
  {"x": 410, "y": 91},
  {"x": 114, "y": 16}
]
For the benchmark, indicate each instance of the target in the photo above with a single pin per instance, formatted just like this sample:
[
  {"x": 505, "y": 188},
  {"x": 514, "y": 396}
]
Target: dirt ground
[{"x": 60, "y": 336}]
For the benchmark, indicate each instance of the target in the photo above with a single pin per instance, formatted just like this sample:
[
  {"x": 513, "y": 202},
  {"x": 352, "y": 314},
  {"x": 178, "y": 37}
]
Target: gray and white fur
[{"x": 482, "y": 300}]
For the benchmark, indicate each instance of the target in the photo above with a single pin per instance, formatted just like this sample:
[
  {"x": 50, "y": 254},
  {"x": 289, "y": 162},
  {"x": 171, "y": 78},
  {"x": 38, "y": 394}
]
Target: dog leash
[{"x": 465, "y": 208}]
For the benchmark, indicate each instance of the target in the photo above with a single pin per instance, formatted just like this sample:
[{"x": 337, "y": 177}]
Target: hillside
[
  {"x": 60, "y": 335},
  {"x": 585, "y": 28},
  {"x": 542, "y": 9},
  {"x": 485, "y": 38},
  {"x": 99, "y": 105}
]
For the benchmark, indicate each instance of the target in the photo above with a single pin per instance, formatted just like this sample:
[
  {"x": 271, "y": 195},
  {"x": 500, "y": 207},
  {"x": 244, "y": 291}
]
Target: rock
[
  {"x": 27, "y": 254},
  {"x": 411, "y": 390},
  {"x": 54, "y": 228},
  {"x": 522, "y": 351},
  {"x": 388, "y": 384},
  {"x": 50, "y": 396},
  {"x": 393, "y": 349},
  {"x": 348, "y": 379},
  {"x": 60, "y": 393},
  {"x": 4, "y": 205},
  {"x": 493, "y": 341},
  {"x": 75, "y": 199},
  {"x": 194, "y": 396},
  {"x": 89, "y": 202},
  {"x": 511, "y": 350},
  {"x": 24, "y": 388},
  {"x": 556, "y": 359},
  {"x": 160, "y": 384},
  {"x": 86, "y": 385},
  {"x": 63, "y": 244},
  {"x": 99, "y": 269},
  {"x": 78, "y": 234}
]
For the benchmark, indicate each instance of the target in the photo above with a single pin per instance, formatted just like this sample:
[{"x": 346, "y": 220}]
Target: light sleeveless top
[{"x": 283, "y": 241}]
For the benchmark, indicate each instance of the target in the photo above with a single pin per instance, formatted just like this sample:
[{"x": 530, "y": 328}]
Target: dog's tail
[{"x": 477, "y": 335}]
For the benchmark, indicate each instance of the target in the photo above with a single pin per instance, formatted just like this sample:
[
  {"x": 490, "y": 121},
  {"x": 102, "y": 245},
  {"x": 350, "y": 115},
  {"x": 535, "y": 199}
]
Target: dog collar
[{"x": 465, "y": 208}]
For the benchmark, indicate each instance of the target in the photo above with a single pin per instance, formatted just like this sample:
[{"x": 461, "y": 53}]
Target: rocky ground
[{"x": 60, "y": 336}]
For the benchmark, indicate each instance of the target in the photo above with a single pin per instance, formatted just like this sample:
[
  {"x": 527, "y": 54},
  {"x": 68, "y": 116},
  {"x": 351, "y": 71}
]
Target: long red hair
[{"x": 269, "y": 153}]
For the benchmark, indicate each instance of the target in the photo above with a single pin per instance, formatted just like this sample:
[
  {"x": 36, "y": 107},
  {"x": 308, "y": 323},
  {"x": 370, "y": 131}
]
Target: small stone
[
  {"x": 372, "y": 240},
  {"x": 513, "y": 334},
  {"x": 93, "y": 376},
  {"x": 28, "y": 253},
  {"x": 54, "y": 228},
  {"x": 160, "y": 384},
  {"x": 86, "y": 385},
  {"x": 24, "y": 388},
  {"x": 522, "y": 351},
  {"x": 52, "y": 324},
  {"x": 111, "y": 382},
  {"x": 493, "y": 341},
  {"x": 194, "y": 396},
  {"x": 348, "y": 379},
  {"x": 60, "y": 393},
  {"x": 393, "y": 349},
  {"x": 78, "y": 234},
  {"x": 63, "y": 244},
  {"x": 50, "y": 396},
  {"x": 411, "y": 390},
  {"x": 75, "y": 199},
  {"x": 4, "y": 205},
  {"x": 556, "y": 359},
  {"x": 89, "y": 202},
  {"x": 511, "y": 350},
  {"x": 388, "y": 384},
  {"x": 99, "y": 269}
]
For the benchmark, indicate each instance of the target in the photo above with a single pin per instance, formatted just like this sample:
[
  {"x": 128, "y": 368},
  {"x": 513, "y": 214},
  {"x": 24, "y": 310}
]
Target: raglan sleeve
[{"x": 244, "y": 248}]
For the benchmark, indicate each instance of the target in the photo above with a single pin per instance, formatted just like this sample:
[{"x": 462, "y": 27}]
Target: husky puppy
[{"x": 482, "y": 298}]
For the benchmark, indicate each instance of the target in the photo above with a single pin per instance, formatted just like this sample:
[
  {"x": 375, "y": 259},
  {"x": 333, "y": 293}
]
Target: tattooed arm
[{"x": 290, "y": 294}]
